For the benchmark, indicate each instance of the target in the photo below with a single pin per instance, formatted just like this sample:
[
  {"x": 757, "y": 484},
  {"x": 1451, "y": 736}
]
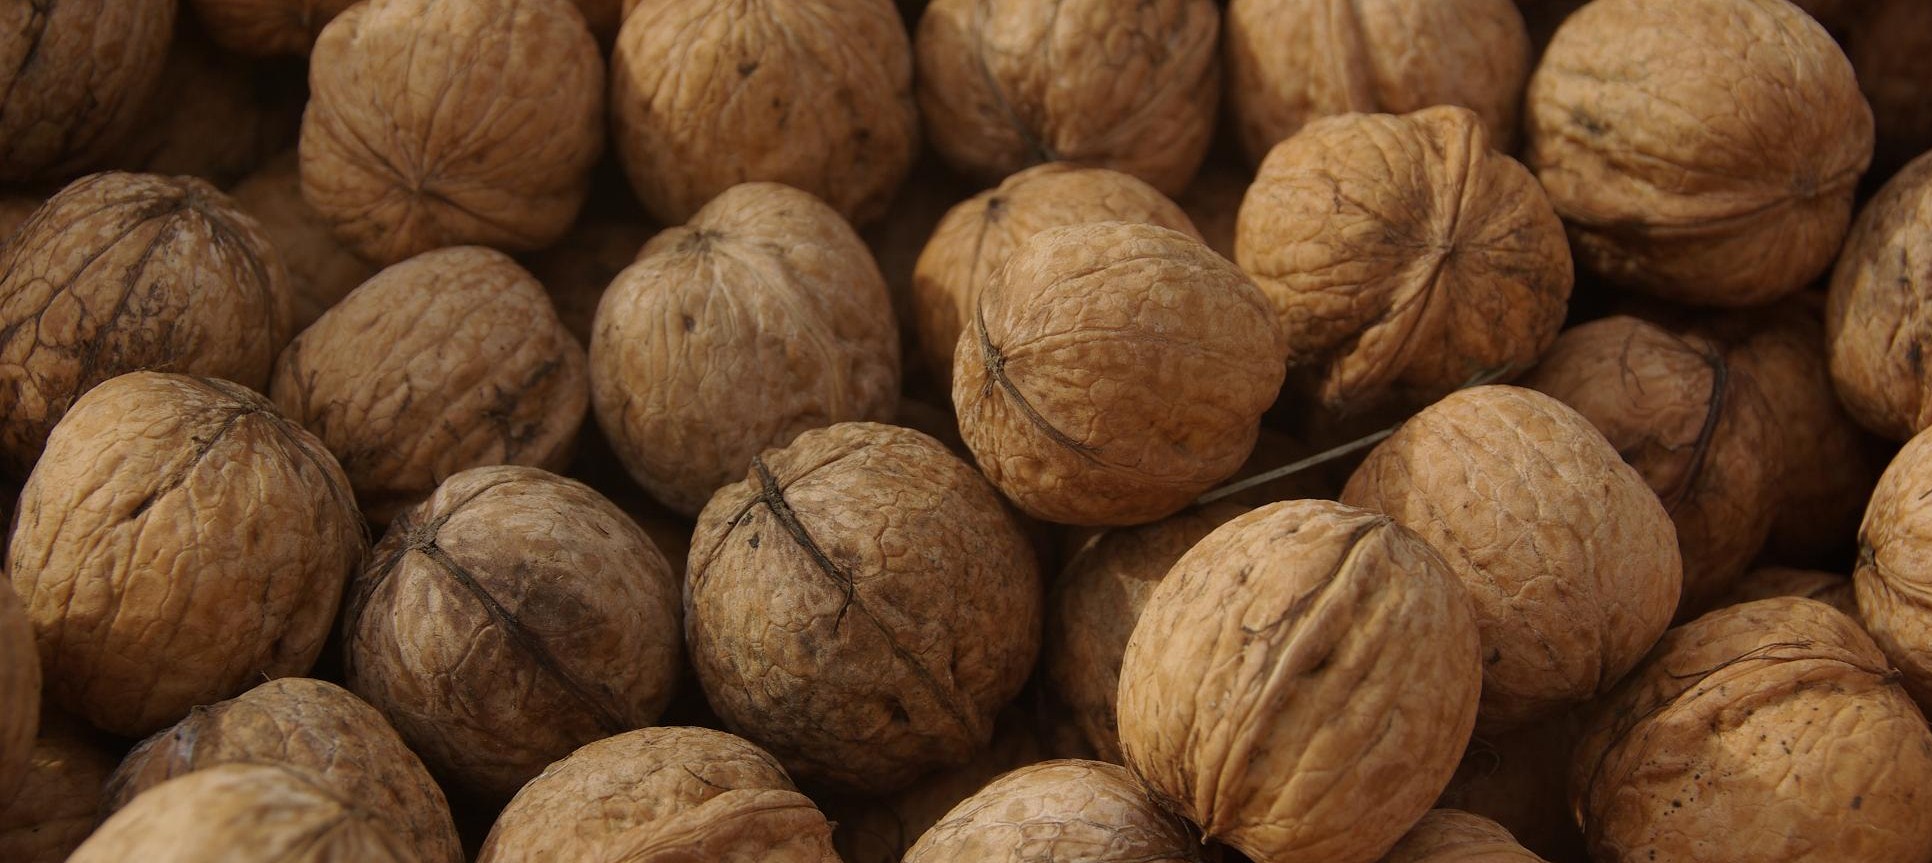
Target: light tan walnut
[
  {"x": 1879, "y": 321},
  {"x": 1059, "y": 812},
  {"x": 243, "y": 813}
]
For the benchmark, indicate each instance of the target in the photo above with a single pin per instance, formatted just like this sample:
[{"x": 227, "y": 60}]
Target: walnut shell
[
  {"x": 267, "y": 28},
  {"x": 883, "y": 829},
  {"x": 1449, "y": 836},
  {"x": 1829, "y": 588},
  {"x": 242, "y": 813},
  {"x": 1085, "y": 811},
  {"x": 1769, "y": 731},
  {"x": 818, "y": 96},
  {"x": 321, "y": 271},
  {"x": 1302, "y": 683},
  {"x": 861, "y": 605},
  {"x": 1113, "y": 372},
  {"x": 1130, "y": 85},
  {"x": 19, "y": 693},
  {"x": 1892, "y": 574},
  {"x": 307, "y": 725},
  {"x": 59, "y": 803},
  {"x": 178, "y": 542},
  {"x": 121, "y": 272},
  {"x": 1520, "y": 779},
  {"x": 450, "y": 360},
  {"x": 77, "y": 76},
  {"x": 1877, "y": 326},
  {"x": 763, "y": 317},
  {"x": 1703, "y": 151},
  {"x": 435, "y": 124},
  {"x": 213, "y": 115},
  {"x": 1403, "y": 255}
]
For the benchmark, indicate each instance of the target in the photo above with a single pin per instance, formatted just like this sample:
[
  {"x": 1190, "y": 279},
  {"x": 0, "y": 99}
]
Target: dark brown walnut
[
  {"x": 817, "y": 96},
  {"x": 897, "y": 238},
  {"x": 763, "y": 317},
  {"x": 308, "y": 725},
  {"x": 1878, "y": 325},
  {"x": 1113, "y": 372},
  {"x": 19, "y": 694},
  {"x": 77, "y": 75},
  {"x": 883, "y": 829},
  {"x": 450, "y": 360},
  {"x": 321, "y": 271},
  {"x": 1085, "y": 811},
  {"x": 434, "y": 124},
  {"x": 1890, "y": 44},
  {"x": 1291, "y": 62},
  {"x": 1703, "y": 151},
  {"x": 1403, "y": 255},
  {"x": 1769, "y": 731},
  {"x": 861, "y": 605},
  {"x": 1830, "y": 588},
  {"x": 1893, "y": 580},
  {"x": 1119, "y": 84},
  {"x": 244, "y": 813},
  {"x": 662, "y": 794},
  {"x": 1450, "y": 836},
  {"x": 121, "y": 272},
  {"x": 59, "y": 802},
  {"x": 212, "y": 115},
  {"x": 1520, "y": 779},
  {"x": 1213, "y": 200},
  {"x": 514, "y": 616},
  {"x": 267, "y": 28},
  {"x": 14, "y": 211},
  {"x": 603, "y": 16},
  {"x": 1302, "y": 683},
  {"x": 577, "y": 270}
]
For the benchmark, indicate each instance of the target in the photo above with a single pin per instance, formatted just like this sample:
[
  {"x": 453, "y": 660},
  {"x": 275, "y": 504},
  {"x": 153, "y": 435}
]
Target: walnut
[
  {"x": 321, "y": 271},
  {"x": 267, "y": 28},
  {"x": 861, "y": 605},
  {"x": 1448, "y": 836},
  {"x": 77, "y": 76},
  {"x": 1113, "y": 372},
  {"x": 1119, "y": 84},
  {"x": 1773, "y": 730},
  {"x": 763, "y": 317},
  {"x": 1704, "y": 151},
  {"x": 179, "y": 541},
  {"x": 883, "y": 829},
  {"x": 120, "y": 272},
  {"x": 1830, "y": 588},
  {"x": 815, "y": 95},
  {"x": 1059, "y": 811},
  {"x": 1892, "y": 574},
  {"x": 212, "y": 115},
  {"x": 1877, "y": 325},
  {"x": 1403, "y": 255},
  {"x": 1302, "y": 683},
  {"x": 435, "y": 124},
  {"x": 19, "y": 694},
  {"x": 59, "y": 803},
  {"x": 577, "y": 270},
  {"x": 1520, "y": 779},
  {"x": 450, "y": 360},
  {"x": 245, "y": 813}
]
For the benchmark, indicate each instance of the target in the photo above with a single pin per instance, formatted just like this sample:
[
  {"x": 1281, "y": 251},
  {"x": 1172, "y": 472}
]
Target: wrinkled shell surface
[
  {"x": 1879, "y": 322},
  {"x": 77, "y": 74},
  {"x": 1829, "y": 588},
  {"x": 1085, "y": 811},
  {"x": 1302, "y": 683},
  {"x": 1449, "y": 836},
  {"x": 19, "y": 693},
  {"x": 267, "y": 28},
  {"x": 321, "y": 271},
  {"x": 59, "y": 802},
  {"x": 883, "y": 829},
  {"x": 212, "y": 115},
  {"x": 1893, "y": 579},
  {"x": 1520, "y": 779}
]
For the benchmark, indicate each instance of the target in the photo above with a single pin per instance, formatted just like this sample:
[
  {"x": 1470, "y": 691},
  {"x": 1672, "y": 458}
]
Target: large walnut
[
  {"x": 59, "y": 802},
  {"x": 1878, "y": 326},
  {"x": 19, "y": 693},
  {"x": 77, "y": 74},
  {"x": 321, "y": 271},
  {"x": 243, "y": 813},
  {"x": 213, "y": 115},
  {"x": 1893, "y": 578},
  {"x": 1449, "y": 836},
  {"x": 1059, "y": 812},
  {"x": 267, "y": 28},
  {"x": 881, "y": 829}
]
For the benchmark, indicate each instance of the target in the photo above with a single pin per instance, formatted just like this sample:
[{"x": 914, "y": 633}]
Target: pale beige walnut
[
  {"x": 1450, "y": 836},
  {"x": 511, "y": 618},
  {"x": 882, "y": 829},
  {"x": 1291, "y": 62},
  {"x": 450, "y": 360},
  {"x": 1830, "y": 588},
  {"x": 763, "y": 317},
  {"x": 19, "y": 693},
  {"x": 577, "y": 270},
  {"x": 1130, "y": 85},
  {"x": 77, "y": 75},
  {"x": 434, "y": 124},
  {"x": 267, "y": 28},
  {"x": 321, "y": 271},
  {"x": 308, "y": 725},
  {"x": 1302, "y": 683},
  {"x": 1773, "y": 732},
  {"x": 1893, "y": 578},
  {"x": 179, "y": 542},
  {"x": 59, "y": 802},
  {"x": 1113, "y": 372},
  {"x": 662, "y": 794},
  {"x": 121, "y": 272},
  {"x": 1059, "y": 812},
  {"x": 1520, "y": 779},
  {"x": 1703, "y": 151},
  {"x": 816, "y": 95},
  {"x": 1403, "y": 255},
  {"x": 1879, "y": 321},
  {"x": 862, "y": 605},
  {"x": 976, "y": 238},
  {"x": 212, "y": 115}
]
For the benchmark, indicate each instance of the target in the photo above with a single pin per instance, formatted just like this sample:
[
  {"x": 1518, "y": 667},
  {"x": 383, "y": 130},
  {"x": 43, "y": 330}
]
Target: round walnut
[
  {"x": 1302, "y": 683},
  {"x": 511, "y": 618},
  {"x": 450, "y": 360},
  {"x": 1130, "y": 85},
  {"x": 1294, "y": 61},
  {"x": 1113, "y": 372},
  {"x": 1773, "y": 730},
  {"x": 814, "y": 95},
  {"x": 662, "y": 794},
  {"x": 308, "y": 725},
  {"x": 434, "y": 124},
  {"x": 267, "y": 28},
  {"x": 121, "y": 272},
  {"x": 1829, "y": 588},
  {"x": 883, "y": 829},
  {"x": 1403, "y": 255},
  {"x": 1449, "y": 836},
  {"x": 1072, "y": 811},
  {"x": 321, "y": 271},
  {"x": 59, "y": 802},
  {"x": 862, "y": 605},
  {"x": 243, "y": 813},
  {"x": 1878, "y": 328},
  {"x": 19, "y": 694},
  {"x": 763, "y": 317},
  {"x": 1893, "y": 579},
  {"x": 77, "y": 75},
  {"x": 1704, "y": 151}
]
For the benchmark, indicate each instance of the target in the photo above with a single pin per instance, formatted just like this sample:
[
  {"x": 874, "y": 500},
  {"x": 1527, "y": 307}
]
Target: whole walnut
[
  {"x": 1449, "y": 836},
  {"x": 179, "y": 541},
  {"x": 1769, "y": 731},
  {"x": 212, "y": 115},
  {"x": 816, "y": 95},
  {"x": 308, "y": 725},
  {"x": 1130, "y": 85},
  {"x": 511, "y": 618},
  {"x": 1892, "y": 575},
  {"x": 77, "y": 75},
  {"x": 321, "y": 271},
  {"x": 1302, "y": 683},
  {"x": 872, "y": 829},
  {"x": 1294, "y": 61},
  {"x": 862, "y": 605},
  {"x": 450, "y": 360},
  {"x": 1877, "y": 327},
  {"x": 976, "y": 238},
  {"x": 662, "y": 794},
  {"x": 267, "y": 28},
  {"x": 1703, "y": 151},
  {"x": 1403, "y": 255},
  {"x": 1830, "y": 588},
  {"x": 121, "y": 272},
  {"x": 19, "y": 694},
  {"x": 763, "y": 317},
  {"x": 1113, "y": 372},
  {"x": 59, "y": 802},
  {"x": 1071, "y": 811},
  {"x": 242, "y": 813},
  {"x": 1520, "y": 780},
  {"x": 434, "y": 124}
]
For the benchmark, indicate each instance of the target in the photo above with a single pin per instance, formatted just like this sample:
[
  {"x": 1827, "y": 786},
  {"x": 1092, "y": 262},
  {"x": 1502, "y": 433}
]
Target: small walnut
[
  {"x": 578, "y": 269},
  {"x": 19, "y": 693},
  {"x": 1450, "y": 836},
  {"x": 1071, "y": 811},
  {"x": 59, "y": 802},
  {"x": 1893, "y": 577},
  {"x": 1302, "y": 683},
  {"x": 267, "y": 28},
  {"x": 1829, "y": 588},
  {"x": 77, "y": 74},
  {"x": 321, "y": 271},
  {"x": 243, "y": 813},
  {"x": 1877, "y": 323},
  {"x": 1520, "y": 779},
  {"x": 883, "y": 829},
  {"x": 213, "y": 115}
]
